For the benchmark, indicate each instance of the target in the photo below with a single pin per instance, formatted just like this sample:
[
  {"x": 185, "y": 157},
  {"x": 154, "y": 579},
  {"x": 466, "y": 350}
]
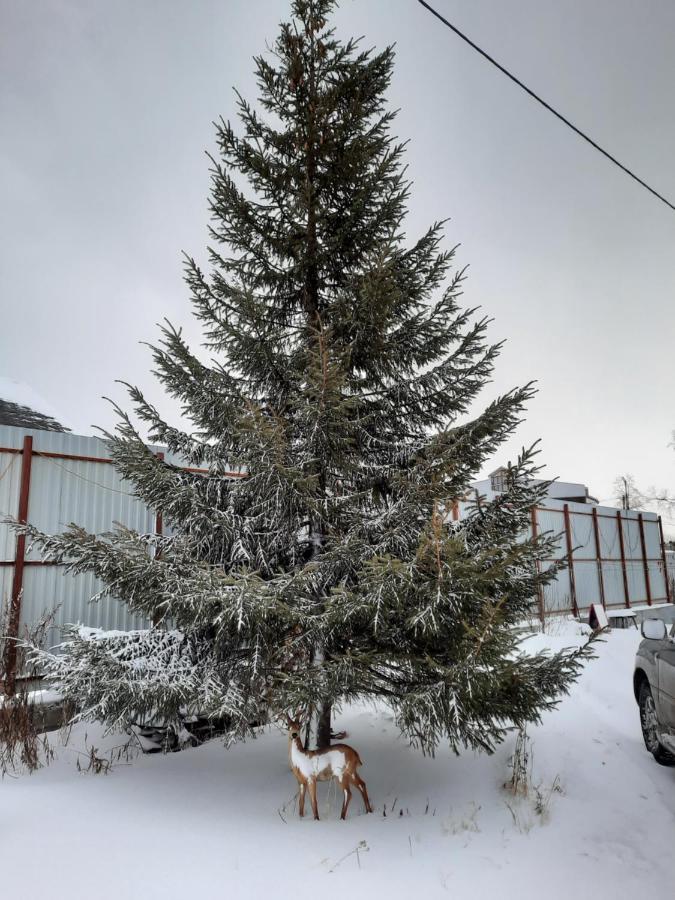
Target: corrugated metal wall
[
  {"x": 64, "y": 491},
  {"x": 670, "y": 570},
  {"x": 10, "y": 473}
]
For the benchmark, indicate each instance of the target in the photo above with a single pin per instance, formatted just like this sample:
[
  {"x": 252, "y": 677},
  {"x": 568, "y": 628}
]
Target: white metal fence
[
  {"x": 614, "y": 557},
  {"x": 52, "y": 479}
]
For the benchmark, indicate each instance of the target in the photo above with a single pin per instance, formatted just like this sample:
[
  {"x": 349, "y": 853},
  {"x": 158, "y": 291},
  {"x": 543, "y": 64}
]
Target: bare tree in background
[{"x": 631, "y": 496}]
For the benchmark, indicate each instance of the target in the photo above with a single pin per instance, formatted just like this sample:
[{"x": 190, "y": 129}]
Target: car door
[{"x": 665, "y": 663}]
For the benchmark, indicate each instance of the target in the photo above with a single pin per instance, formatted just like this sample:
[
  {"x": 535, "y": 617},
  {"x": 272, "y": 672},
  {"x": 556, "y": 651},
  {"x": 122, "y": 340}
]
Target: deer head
[{"x": 294, "y": 726}]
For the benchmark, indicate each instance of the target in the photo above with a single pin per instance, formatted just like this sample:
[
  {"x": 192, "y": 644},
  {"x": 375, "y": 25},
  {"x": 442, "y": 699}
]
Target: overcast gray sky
[{"x": 106, "y": 110}]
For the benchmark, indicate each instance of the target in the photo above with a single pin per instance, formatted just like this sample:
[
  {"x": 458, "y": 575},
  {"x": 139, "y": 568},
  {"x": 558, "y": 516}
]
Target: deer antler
[{"x": 295, "y": 717}]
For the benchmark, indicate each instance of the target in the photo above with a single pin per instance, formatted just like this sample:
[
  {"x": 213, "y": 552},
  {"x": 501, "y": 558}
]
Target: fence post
[
  {"x": 619, "y": 520},
  {"x": 669, "y": 599},
  {"x": 598, "y": 553},
  {"x": 159, "y": 529},
  {"x": 540, "y": 587},
  {"x": 570, "y": 559},
  {"x": 159, "y": 523},
  {"x": 14, "y": 618},
  {"x": 643, "y": 544}
]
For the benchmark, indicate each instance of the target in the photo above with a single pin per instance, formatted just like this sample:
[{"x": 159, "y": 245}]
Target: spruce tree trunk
[
  {"x": 324, "y": 726},
  {"x": 320, "y": 726},
  {"x": 317, "y": 734}
]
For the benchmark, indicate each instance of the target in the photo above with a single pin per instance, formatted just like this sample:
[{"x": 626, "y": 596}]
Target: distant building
[
  {"x": 21, "y": 407},
  {"x": 568, "y": 491},
  {"x": 25, "y": 417}
]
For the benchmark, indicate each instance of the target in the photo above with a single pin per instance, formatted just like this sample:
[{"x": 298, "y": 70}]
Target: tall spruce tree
[{"x": 343, "y": 370}]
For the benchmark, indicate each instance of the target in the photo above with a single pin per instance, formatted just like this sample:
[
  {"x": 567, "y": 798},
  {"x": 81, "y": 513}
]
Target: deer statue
[{"x": 339, "y": 761}]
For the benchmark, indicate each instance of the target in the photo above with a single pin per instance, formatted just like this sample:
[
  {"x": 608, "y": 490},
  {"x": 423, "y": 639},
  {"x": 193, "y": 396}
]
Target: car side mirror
[{"x": 654, "y": 629}]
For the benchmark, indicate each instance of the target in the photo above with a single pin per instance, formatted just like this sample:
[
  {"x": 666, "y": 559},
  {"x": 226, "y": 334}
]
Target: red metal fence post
[
  {"x": 570, "y": 558},
  {"x": 619, "y": 525},
  {"x": 669, "y": 599},
  {"x": 601, "y": 580},
  {"x": 14, "y": 618},
  {"x": 159, "y": 529},
  {"x": 159, "y": 523},
  {"x": 643, "y": 544},
  {"x": 540, "y": 587}
]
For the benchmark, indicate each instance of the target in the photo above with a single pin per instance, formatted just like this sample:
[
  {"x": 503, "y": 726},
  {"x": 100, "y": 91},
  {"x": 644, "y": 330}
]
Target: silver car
[{"x": 654, "y": 688}]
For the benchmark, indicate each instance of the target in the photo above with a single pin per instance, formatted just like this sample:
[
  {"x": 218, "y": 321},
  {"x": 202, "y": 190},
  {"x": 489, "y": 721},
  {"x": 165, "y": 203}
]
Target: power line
[{"x": 545, "y": 104}]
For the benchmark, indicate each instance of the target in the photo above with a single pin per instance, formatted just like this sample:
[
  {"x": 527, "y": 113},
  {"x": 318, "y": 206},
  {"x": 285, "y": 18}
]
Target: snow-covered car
[{"x": 654, "y": 688}]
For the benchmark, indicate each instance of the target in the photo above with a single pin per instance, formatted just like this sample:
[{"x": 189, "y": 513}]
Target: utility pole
[{"x": 626, "y": 498}]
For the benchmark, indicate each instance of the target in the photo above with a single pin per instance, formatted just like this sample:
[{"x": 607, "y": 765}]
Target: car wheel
[{"x": 650, "y": 728}]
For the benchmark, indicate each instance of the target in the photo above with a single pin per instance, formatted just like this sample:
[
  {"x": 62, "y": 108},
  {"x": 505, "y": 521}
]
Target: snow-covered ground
[{"x": 216, "y": 823}]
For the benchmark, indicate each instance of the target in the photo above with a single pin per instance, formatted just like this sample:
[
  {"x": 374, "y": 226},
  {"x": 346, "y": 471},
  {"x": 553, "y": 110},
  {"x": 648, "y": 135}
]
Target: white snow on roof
[{"x": 23, "y": 395}]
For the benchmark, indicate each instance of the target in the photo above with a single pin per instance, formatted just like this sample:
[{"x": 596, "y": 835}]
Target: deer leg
[
  {"x": 311, "y": 784},
  {"x": 301, "y": 800},
  {"x": 347, "y": 795},
  {"x": 361, "y": 785}
]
